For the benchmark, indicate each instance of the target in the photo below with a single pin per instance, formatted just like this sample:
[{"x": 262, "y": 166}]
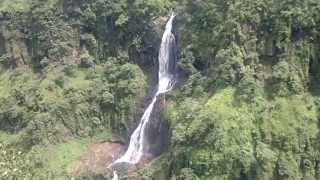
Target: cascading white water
[
  {"x": 115, "y": 175},
  {"x": 166, "y": 81}
]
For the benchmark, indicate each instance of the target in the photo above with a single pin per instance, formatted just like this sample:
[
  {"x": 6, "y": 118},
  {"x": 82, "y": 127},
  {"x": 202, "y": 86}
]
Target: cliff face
[
  {"x": 248, "y": 108},
  {"x": 246, "y": 105},
  {"x": 72, "y": 73}
]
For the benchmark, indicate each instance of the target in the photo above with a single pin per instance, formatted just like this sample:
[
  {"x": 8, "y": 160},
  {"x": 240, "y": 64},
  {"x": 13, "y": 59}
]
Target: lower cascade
[{"x": 166, "y": 75}]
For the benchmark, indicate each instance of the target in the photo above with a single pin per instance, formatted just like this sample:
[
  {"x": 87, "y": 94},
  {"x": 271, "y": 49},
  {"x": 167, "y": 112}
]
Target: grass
[
  {"x": 60, "y": 159},
  {"x": 63, "y": 156},
  {"x": 79, "y": 81},
  {"x": 6, "y": 138},
  {"x": 4, "y": 84}
]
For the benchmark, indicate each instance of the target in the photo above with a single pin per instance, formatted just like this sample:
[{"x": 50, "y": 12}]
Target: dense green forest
[{"x": 246, "y": 106}]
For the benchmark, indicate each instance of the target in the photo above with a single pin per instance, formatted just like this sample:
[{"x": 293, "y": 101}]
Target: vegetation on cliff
[
  {"x": 248, "y": 107},
  {"x": 247, "y": 104}
]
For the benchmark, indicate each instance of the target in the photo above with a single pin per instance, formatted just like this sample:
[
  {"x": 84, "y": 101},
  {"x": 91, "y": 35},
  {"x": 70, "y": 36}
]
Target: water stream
[{"x": 167, "y": 55}]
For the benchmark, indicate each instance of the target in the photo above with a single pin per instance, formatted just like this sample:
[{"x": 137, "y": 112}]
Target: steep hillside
[
  {"x": 76, "y": 72},
  {"x": 248, "y": 104},
  {"x": 72, "y": 73}
]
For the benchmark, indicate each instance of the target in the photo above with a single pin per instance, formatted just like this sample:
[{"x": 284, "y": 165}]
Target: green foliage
[
  {"x": 158, "y": 169},
  {"x": 226, "y": 40},
  {"x": 67, "y": 72},
  {"x": 186, "y": 174},
  {"x": 41, "y": 111},
  {"x": 186, "y": 63},
  {"x": 16, "y": 5},
  {"x": 245, "y": 110},
  {"x": 228, "y": 68},
  {"x": 248, "y": 106},
  {"x": 58, "y": 159},
  {"x": 249, "y": 89},
  {"x": 251, "y": 140},
  {"x": 89, "y": 41},
  {"x": 13, "y": 165}
]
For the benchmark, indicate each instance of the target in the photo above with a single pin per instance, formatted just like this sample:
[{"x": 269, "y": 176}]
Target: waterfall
[
  {"x": 115, "y": 175},
  {"x": 167, "y": 58}
]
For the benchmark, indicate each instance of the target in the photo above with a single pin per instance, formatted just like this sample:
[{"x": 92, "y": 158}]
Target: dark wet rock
[{"x": 157, "y": 129}]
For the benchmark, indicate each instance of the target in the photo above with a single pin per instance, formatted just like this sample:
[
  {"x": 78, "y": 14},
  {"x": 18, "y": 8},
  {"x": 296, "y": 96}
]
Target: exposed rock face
[
  {"x": 19, "y": 53},
  {"x": 2, "y": 45},
  {"x": 13, "y": 46},
  {"x": 98, "y": 158},
  {"x": 157, "y": 130}
]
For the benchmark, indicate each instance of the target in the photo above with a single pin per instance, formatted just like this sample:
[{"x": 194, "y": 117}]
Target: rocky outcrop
[
  {"x": 157, "y": 131},
  {"x": 2, "y": 45},
  {"x": 97, "y": 159}
]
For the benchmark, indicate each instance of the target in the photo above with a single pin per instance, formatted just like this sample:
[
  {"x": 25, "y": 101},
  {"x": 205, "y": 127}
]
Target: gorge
[
  {"x": 80, "y": 88},
  {"x": 167, "y": 58}
]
